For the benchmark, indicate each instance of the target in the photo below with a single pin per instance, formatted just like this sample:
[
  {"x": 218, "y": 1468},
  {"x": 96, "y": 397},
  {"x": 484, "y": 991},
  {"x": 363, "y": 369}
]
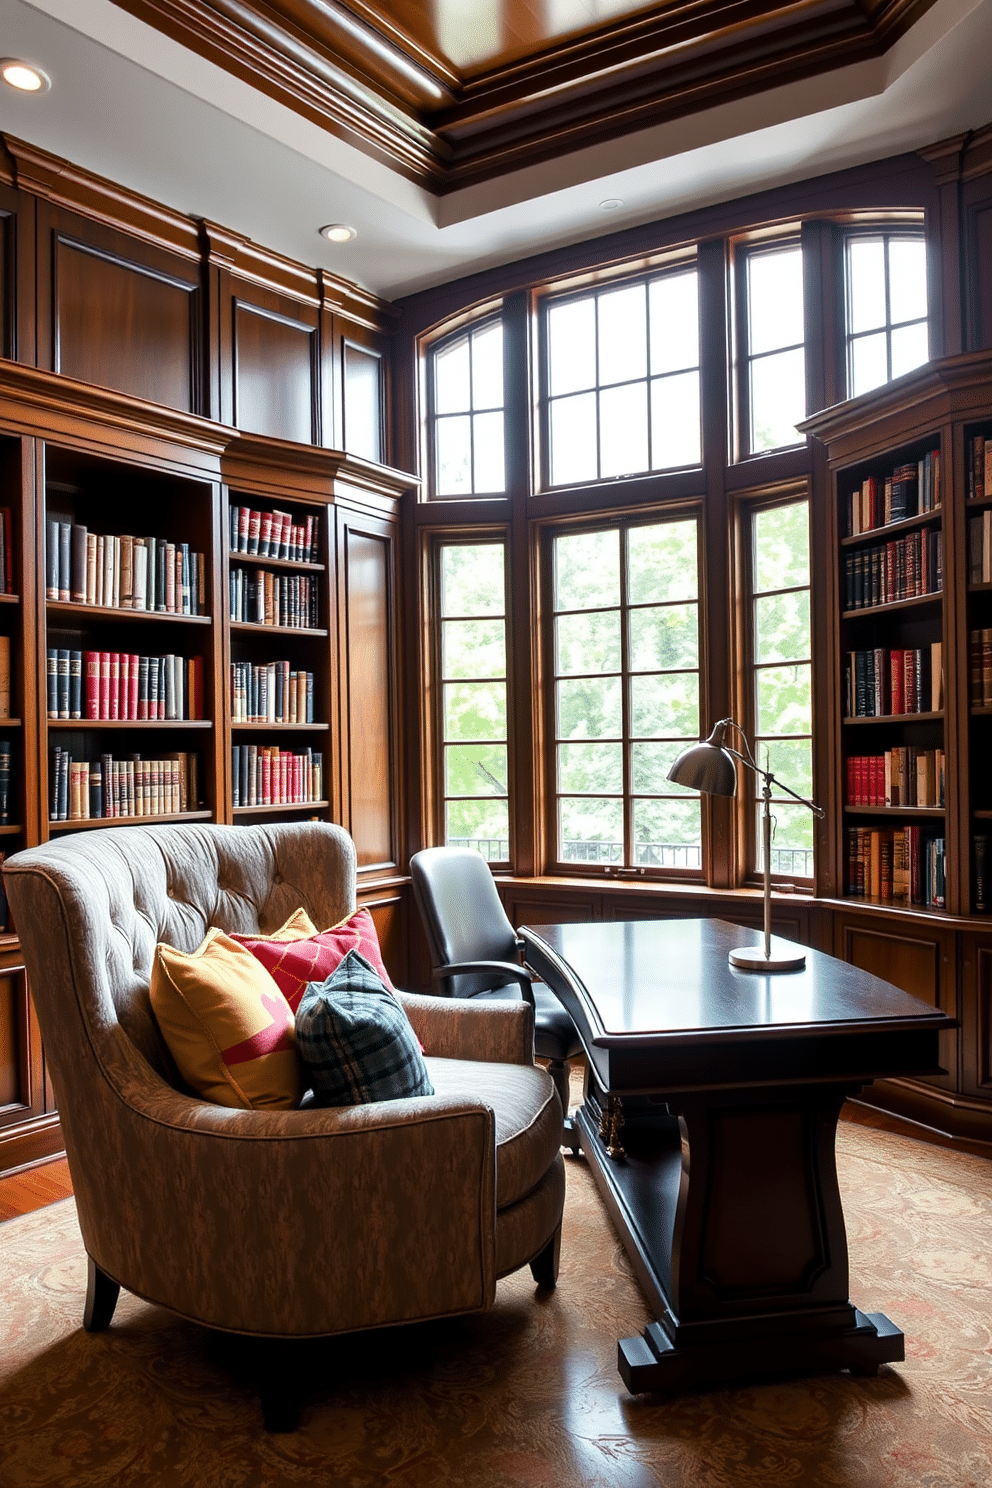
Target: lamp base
[{"x": 753, "y": 958}]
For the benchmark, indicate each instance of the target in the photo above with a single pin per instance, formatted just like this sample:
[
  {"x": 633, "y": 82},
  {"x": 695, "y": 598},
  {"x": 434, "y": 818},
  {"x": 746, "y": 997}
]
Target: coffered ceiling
[{"x": 458, "y": 134}]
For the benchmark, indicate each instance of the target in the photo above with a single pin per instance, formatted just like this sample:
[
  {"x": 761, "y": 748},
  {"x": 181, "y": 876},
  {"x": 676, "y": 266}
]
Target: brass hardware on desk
[{"x": 610, "y": 1124}]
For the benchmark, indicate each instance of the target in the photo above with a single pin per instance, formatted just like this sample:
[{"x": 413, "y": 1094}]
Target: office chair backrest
[{"x": 462, "y": 914}]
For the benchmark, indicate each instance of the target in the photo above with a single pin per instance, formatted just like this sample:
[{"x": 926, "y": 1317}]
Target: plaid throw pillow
[{"x": 356, "y": 1041}]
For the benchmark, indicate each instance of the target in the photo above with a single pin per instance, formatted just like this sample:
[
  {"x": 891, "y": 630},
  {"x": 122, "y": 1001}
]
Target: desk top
[{"x": 648, "y": 985}]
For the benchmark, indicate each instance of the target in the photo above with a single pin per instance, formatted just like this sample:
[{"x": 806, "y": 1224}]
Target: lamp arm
[{"x": 752, "y": 764}]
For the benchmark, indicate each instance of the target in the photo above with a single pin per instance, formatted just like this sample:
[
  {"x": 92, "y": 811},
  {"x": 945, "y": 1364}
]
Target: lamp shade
[{"x": 707, "y": 766}]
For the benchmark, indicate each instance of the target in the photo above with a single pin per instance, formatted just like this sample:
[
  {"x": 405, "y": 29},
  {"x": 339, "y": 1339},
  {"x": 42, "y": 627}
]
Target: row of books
[
  {"x": 980, "y": 857},
  {"x": 6, "y": 552},
  {"x": 265, "y": 775},
  {"x": 883, "y": 682},
  {"x": 895, "y": 864},
  {"x": 270, "y": 693},
  {"x": 123, "y": 573},
  {"x": 905, "y": 568},
  {"x": 979, "y": 467},
  {"x": 84, "y": 790},
  {"x": 266, "y": 598},
  {"x": 6, "y": 751},
  {"x": 911, "y": 489},
  {"x": 904, "y": 776},
  {"x": 980, "y": 666},
  {"x": 112, "y": 685},
  {"x": 274, "y": 534},
  {"x": 980, "y": 546}
]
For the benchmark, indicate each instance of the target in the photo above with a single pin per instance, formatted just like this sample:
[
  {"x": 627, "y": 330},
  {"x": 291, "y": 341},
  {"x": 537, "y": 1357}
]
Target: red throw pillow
[{"x": 298, "y": 953}]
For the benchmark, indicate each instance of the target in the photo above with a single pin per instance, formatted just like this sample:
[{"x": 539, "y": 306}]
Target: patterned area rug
[{"x": 526, "y": 1396}]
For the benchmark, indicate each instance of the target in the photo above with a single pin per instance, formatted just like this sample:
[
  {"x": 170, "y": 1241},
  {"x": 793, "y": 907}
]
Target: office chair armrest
[
  {"x": 462, "y": 1028},
  {"x": 509, "y": 971}
]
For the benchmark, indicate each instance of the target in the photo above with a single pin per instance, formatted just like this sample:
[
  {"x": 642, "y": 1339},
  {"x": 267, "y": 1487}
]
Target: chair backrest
[{"x": 463, "y": 917}]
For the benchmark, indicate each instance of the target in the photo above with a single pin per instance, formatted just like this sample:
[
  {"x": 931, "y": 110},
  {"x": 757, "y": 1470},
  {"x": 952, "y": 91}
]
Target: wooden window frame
[
  {"x": 465, "y": 330},
  {"x": 886, "y": 230},
  {"x": 743, "y": 252}
]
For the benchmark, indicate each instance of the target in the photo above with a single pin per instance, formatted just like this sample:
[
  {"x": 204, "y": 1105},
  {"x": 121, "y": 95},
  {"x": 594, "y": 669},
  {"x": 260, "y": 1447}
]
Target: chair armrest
[
  {"x": 510, "y": 971},
  {"x": 462, "y": 1028}
]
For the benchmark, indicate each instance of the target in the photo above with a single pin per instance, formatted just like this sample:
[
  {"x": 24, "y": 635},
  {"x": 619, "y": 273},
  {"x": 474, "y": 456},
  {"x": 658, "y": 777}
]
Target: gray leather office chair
[{"x": 476, "y": 953}]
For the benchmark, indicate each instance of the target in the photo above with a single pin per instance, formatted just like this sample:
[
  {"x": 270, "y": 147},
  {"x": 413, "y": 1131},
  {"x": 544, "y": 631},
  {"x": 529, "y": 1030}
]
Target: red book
[
  {"x": 896, "y": 668},
  {"x": 243, "y": 517},
  {"x": 265, "y": 536},
  {"x": 125, "y": 685},
  {"x": 114, "y": 685},
  {"x": 132, "y": 703},
  {"x": 104, "y": 686},
  {"x": 91, "y": 662}
]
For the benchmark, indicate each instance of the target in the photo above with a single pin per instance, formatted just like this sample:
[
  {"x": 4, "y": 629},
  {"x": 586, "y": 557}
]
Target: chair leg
[
  {"x": 101, "y": 1298},
  {"x": 558, "y": 1069},
  {"x": 544, "y": 1267}
]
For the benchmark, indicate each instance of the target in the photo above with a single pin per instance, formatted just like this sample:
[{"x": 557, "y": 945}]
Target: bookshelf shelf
[
  {"x": 267, "y": 810},
  {"x": 139, "y": 725},
  {"x": 251, "y": 628},
  {"x": 892, "y": 529},
  {"x": 876, "y": 718},
  {"x": 87, "y": 823},
  {"x": 895, "y": 606},
  {"x": 11, "y": 829},
  {"x": 10, "y": 599},
  {"x": 81, "y": 613},
  {"x": 292, "y": 728},
  {"x": 937, "y": 812},
  {"x": 292, "y": 565}
]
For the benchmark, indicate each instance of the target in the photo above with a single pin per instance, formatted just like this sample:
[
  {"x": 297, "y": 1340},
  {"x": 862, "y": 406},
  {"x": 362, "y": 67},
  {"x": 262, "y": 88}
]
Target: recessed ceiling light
[
  {"x": 611, "y": 204},
  {"x": 24, "y": 76},
  {"x": 338, "y": 232}
]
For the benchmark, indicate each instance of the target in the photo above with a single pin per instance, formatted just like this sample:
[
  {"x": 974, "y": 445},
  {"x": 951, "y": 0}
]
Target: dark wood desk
[{"x": 731, "y": 1213}]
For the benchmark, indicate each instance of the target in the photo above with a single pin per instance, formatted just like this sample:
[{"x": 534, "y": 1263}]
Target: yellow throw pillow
[{"x": 228, "y": 1026}]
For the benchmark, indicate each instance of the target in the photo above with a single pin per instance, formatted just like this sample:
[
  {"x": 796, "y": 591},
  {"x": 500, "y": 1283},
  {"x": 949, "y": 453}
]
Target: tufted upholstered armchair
[{"x": 281, "y": 1224}]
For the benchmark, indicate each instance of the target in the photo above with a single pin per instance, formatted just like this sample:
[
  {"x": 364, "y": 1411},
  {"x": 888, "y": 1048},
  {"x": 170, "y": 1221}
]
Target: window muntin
[
  {"x": 466, "y": 405},
  {"x": 472, "y": 594},
  {"x": 776, "y": 347},
  {"x": 623, "y": 380},
  {"x": 887, "y": 327},
  {"x": 782, "y": 680},
  {"x": 626, "y": 694}
]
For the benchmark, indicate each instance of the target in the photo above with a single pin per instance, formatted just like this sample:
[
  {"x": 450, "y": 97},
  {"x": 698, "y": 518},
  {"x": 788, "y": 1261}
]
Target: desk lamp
[{"x": 709, "y": 766}]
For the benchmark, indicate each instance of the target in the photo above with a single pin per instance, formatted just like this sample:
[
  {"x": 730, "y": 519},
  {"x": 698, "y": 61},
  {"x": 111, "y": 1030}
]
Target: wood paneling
[
  {"x": 21, "y": 1070},
  {"x": 275, "y": 375},
  {"x": 120, "y": 325},
  {"x": 368, "y": 662},
  {"x": 363, "y": 397}
]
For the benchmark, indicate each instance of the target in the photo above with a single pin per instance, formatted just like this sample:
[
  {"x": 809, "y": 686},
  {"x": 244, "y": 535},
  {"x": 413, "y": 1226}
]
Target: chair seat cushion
[
  {"x": 527, "y": 1111},
  {"x": 554, "y": 1032}
]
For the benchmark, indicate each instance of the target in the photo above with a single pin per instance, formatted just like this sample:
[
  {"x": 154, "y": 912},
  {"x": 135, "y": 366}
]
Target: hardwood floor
[{"x": 20, "y": 1193}]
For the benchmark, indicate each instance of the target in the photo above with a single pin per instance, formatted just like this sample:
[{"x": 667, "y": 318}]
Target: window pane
[
  {"x": 452, "y": 388},
  {"x": 472, "y": 579},
  {"x": 675, "y": 421},
  {"x": 662, "y": 562},
  {"x": 667, "y": 834},
  {"x": 487, "y": 367},
  {"x": 664, "y": 638},
  {"x": 589, "y": 709},
  {"x": 474, "y": 710},
  {"x": 587, "y": 643},
  {"x": 782, "y": 626},
  {"x": 623, "y": 430},
  {"x": 488, "y": 432},
  {"x": 473, "y": 648},
  {"x": 573, "y": 440},
  {"x": 907, "y": 279},
  {"x": 590, "y": 830},
  {"x": 484, "y": 825},
  {"x": 454, "y": 456},
  {"x": 781, "y": 547},
  {"x": 665, "y": 705},
  {"x": 868, "y": 364},
  {"x": 910, "y": 348},
  {"x": 475, "y": 770},
  {"x": 783, "y": 700},
  {"x": 587, "y": 570},
  {"x": 622, "y": 335},
  {"x": 572, "y": 346},
  {"x": 674, "y": 309},
  {"x": 650, "y": 763},
  {"x": 590, "y": 767},
  {"x": 778, "y": 399},
  {"x": 866, "y": 270},
  {"x": 775, "y": 300},
  {"x": 792, "y": 841},
  {"x": 791, "y": 760}
]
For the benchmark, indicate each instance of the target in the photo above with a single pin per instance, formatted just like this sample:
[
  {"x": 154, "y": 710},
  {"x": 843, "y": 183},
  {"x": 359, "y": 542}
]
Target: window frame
[
  {"x": 743, "y": 252},
  {"x": 624, "y": 521},
  {"x": 748, "y": 507},
  {"x": 466, "y": 330},
  {"x": 436, "y": 794},
  {"x": 886, "y": 230},
  {"x": 550, "y": 298}
]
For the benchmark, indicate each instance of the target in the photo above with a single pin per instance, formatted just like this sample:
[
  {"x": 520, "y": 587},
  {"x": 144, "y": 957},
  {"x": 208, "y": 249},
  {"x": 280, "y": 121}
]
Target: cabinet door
[
  {"x": 28, "y": 1124},
  {"x": 976, "y": 1014},
  {"x": 912, "y": 955}
]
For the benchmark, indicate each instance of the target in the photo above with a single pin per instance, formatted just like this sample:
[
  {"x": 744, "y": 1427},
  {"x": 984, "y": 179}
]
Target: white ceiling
[{"x": 131, "y": 105}]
